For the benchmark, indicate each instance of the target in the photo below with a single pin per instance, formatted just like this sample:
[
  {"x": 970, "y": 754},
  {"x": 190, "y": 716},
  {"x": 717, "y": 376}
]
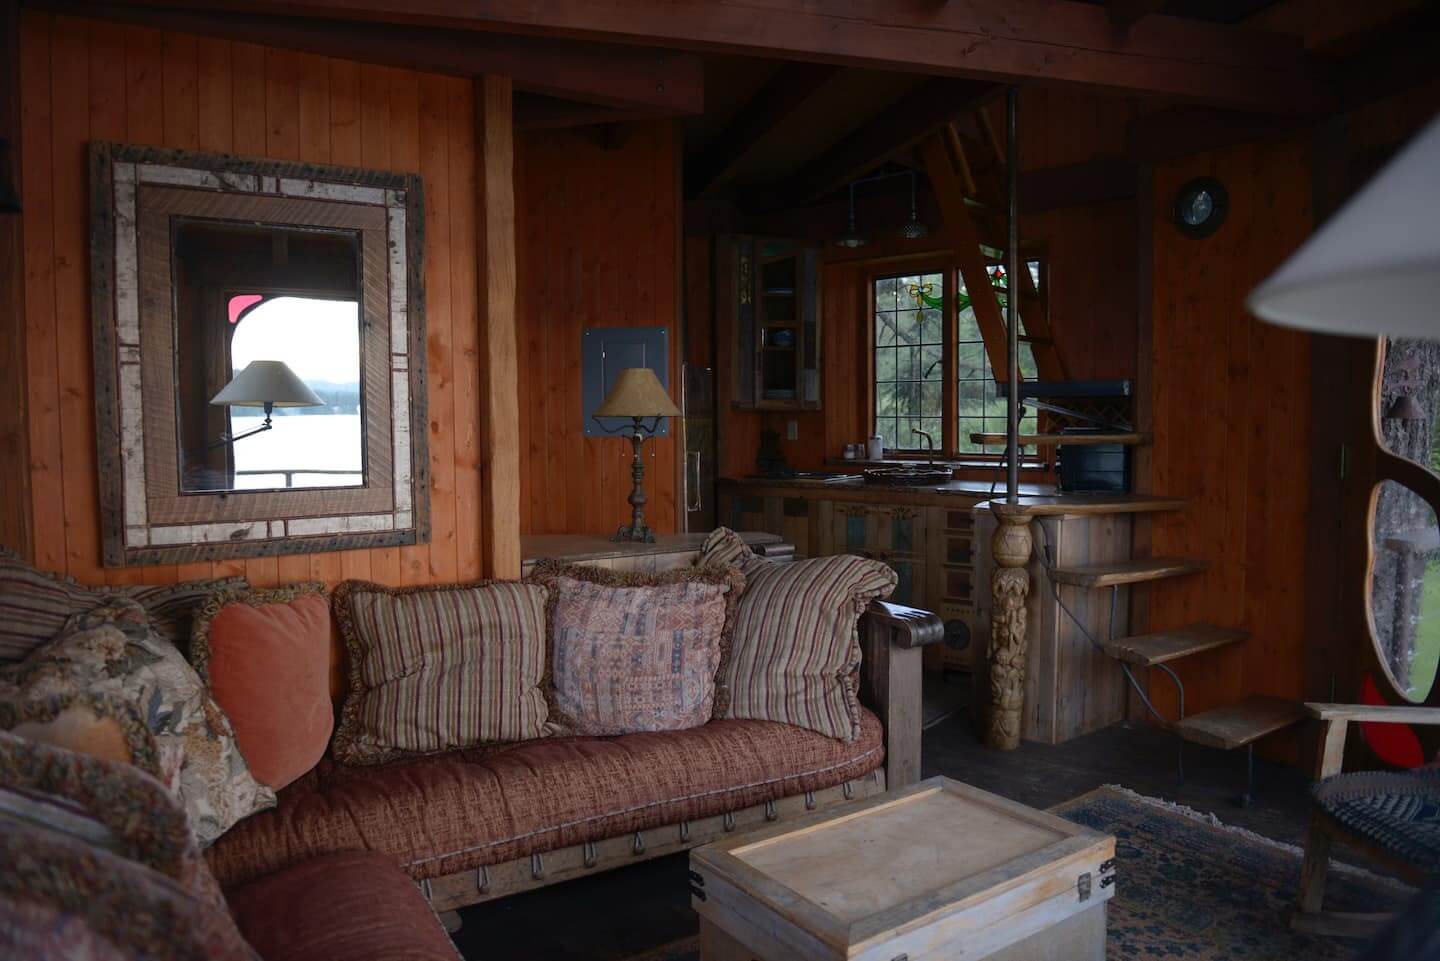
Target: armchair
[{"x": 1350, "y": 807}]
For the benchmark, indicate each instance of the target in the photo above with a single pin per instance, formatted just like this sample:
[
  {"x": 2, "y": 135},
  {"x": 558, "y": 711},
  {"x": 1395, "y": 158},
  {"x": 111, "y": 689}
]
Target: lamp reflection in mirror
[
  {"x": 1374, "y": 268},
  {"x": 268, "y": 384},
  {"x": 637, "y": 394}
]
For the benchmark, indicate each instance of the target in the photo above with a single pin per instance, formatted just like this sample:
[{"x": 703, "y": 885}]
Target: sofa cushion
[
  {"x": 631, "y": 652},
  {"x": 34, "y": 604},
  {"x": 113, "y": 651},
  {"x": 458, "y": 811},
  {"x": 795, "y": 653},
  {"x": 355, "y": 905},
  {"x": 439, "y": 667},
  {"x": 266, "y": 658}
]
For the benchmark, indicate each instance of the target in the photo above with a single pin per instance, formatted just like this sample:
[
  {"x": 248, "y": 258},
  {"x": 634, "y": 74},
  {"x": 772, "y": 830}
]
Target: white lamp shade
[
  {"x": 1374, "y": 268},
  {"x": 267, "y": 382}
]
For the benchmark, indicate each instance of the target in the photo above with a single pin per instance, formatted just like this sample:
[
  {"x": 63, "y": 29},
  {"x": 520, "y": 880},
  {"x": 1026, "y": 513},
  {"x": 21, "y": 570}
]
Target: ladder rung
[
  {"x": 1236, "y": 725},
  {"x": 1147, "y": 650},
  {"x": 1133, "y": 571}
]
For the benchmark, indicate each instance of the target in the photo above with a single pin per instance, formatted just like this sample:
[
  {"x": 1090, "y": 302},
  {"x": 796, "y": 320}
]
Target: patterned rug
[{"x": 1192, "y": 889}]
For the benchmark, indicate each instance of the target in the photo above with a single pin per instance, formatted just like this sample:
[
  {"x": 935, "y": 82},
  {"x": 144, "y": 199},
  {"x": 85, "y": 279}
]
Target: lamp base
[{"x": 635, "y": 535}]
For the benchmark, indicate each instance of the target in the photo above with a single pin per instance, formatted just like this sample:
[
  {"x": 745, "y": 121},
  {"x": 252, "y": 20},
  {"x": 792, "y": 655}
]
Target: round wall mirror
[{"x": 1405, "y": 588}]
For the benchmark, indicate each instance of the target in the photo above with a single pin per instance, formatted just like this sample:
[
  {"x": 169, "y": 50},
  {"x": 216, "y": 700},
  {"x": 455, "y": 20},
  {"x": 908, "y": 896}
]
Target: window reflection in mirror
[
  {"x": 1405, "y": 588},
  {"x": 1410, "y": 399},
  {"x": 248, "y": 292}
]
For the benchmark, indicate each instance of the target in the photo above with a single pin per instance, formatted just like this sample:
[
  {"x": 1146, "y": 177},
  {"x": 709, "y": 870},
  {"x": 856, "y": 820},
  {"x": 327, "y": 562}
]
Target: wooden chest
[{"x": 939, "y": 871}]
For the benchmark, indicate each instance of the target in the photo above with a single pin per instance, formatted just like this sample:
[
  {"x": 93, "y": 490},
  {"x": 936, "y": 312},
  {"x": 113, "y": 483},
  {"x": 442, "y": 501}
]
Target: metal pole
[{"x": 1012, "y": 283}]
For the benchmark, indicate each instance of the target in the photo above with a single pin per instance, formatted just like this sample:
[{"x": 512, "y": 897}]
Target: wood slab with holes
[
  {"x": 939, "y": 870},
  {"x": 1147, "y": 650},
  {"x": 1134, "y": 571},
  {"x": 1236, "y": 725}
]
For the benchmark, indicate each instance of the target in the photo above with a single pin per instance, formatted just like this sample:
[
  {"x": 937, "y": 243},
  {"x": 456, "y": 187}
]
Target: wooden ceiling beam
[
  {"x": 1125, "y": 13},
  {"x": 776, "y": 102},
  {"x": 633, "y": 79},
  {"x": 1058, "y": 41},
  {"x": 895, "y": 130}
]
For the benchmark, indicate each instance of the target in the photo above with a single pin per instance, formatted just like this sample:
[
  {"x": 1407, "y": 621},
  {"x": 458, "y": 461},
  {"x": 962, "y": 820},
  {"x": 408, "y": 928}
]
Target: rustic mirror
[{"x": 259, "y": 356}]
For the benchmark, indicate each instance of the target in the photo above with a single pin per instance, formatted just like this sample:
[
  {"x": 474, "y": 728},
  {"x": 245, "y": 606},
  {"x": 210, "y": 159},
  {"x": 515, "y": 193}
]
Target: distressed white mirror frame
[{"x": 145, "y": 518}]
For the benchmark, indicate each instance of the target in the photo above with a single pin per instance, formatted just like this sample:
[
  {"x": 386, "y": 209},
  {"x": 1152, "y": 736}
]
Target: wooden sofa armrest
[
  {"x": 891, "y": 639},
  {"x": 1335, "y": 724}
]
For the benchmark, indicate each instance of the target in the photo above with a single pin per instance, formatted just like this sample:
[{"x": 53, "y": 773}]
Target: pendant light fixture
[
  {"x": 851, "y": 237},
  {"x": 914, "y": 228}
]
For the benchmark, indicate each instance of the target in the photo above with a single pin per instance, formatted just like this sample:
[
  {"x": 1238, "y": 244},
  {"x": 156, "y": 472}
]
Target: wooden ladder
[{"x": 1227, "y": 727}]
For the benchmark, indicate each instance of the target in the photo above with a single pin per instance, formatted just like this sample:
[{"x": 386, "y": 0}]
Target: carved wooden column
[{"x": 1009, "y": 590}]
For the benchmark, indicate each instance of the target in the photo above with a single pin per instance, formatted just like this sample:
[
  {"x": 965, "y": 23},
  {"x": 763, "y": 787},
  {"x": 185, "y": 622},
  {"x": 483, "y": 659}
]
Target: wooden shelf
[
  {"x": 1133, "y": 571},
  {"x": 1147, "y": 650},
  {"x": 1088, "y": 440},
  {"x": 1236, "y": 725}
]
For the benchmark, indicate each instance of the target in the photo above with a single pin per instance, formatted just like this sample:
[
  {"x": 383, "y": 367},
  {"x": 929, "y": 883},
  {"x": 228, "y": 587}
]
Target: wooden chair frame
[{"x": 1330, "y": 760}]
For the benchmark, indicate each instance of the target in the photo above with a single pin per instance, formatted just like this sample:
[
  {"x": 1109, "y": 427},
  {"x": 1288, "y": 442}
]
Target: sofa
[{"x": 473, "y": 825}]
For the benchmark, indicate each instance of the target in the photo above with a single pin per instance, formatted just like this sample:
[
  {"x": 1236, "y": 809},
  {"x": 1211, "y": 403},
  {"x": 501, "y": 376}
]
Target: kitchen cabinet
[{"x": 767, "y": 306}]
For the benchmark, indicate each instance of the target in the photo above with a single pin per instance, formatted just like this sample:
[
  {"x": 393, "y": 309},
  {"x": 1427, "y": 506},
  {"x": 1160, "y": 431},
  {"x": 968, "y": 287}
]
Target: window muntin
[{"x": 909, "y": 360}]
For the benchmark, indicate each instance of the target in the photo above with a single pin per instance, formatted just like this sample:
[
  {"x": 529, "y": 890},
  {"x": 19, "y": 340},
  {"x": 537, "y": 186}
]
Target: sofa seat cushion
[
  {"x": 357, "y": 905},
  {"x": 446, "y": 813}
]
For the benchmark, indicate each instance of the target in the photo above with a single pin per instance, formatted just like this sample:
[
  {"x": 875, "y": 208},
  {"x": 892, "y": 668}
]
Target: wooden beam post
[
  {"x": 15, "y": 518},
  {"x": 495, "y": 277}
]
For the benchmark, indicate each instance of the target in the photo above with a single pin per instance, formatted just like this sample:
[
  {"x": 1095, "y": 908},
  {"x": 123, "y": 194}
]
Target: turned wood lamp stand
[{"x": 638, "y": 395}]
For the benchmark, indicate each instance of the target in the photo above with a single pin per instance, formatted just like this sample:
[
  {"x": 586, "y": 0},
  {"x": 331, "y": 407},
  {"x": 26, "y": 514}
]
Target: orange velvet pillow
[{"x": 266, "y": 658}]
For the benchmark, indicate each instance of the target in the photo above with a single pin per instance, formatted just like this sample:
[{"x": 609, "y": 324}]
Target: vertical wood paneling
[
  {"x": 16, "y": 531},
  {"x": 1231, "y": 409},
  {"x": 597, "y": 248},
  {"x": 83, "y": 80}
]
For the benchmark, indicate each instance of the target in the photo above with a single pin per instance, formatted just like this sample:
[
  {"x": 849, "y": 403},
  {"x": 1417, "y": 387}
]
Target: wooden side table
[{"x": 938, "y": 871}]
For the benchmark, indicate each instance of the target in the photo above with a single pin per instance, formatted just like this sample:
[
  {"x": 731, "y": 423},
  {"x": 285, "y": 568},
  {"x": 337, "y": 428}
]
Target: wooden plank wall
[
  {"x": 83, "y": 79},
  {"x": 14, "y": 440},
  {"x": 1231, "y": 403},
  {"x": 598, "y": 246}
]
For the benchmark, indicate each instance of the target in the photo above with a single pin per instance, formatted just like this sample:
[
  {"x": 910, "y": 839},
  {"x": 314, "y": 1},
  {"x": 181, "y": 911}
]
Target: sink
[{"x": 908, "y": 476}]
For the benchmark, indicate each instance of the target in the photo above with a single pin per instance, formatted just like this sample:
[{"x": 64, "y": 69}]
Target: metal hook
[
  {"x": 482, "y": 879},
  {"x": 537, "y": 866},
  {"x": 591, "y": 856},
  {"x": 684, "y": 832},
  {"x": 770, "y": 813},
  {"x": 728, "y": 820},
  {"x": 809, "y": 800},
  {"x": 639, "y": 846}
]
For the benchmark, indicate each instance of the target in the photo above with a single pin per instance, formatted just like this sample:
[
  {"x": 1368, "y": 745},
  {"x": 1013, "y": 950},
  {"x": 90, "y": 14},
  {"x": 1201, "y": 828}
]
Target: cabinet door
[{"x": 767, "y": 293}]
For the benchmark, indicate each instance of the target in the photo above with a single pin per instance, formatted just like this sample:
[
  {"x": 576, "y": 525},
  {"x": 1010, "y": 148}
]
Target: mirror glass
[
  {"x": 248, "y": 293},
  {"x": 1405, "y": 588}
]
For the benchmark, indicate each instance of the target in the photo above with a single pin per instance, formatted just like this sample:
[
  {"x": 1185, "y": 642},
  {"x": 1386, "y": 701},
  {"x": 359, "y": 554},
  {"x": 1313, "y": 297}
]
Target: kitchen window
[{"x": 932, "y": 368}]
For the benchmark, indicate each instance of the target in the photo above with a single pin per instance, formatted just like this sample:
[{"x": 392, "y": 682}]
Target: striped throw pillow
[
  {"x": 795, "y": 654},
  {"x": 34, "y": 604},
  {"x": 440, "y": 667}
]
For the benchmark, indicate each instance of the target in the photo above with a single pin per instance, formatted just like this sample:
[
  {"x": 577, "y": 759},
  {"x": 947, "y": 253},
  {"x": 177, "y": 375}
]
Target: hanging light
[
  {"x": 914, "y": 228},
  {"x": 851, "y": 237}
]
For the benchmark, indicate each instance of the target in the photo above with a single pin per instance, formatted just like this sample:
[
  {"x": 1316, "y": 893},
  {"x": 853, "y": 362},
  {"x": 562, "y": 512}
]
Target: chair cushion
[
  {"x": 266, "y": 658},
  {"x": 454, "y": 812},
  {"x": 439, "y": 667},
  {"x": 1397, "y": 810},
  {"x": 795, "y": 653},
  {"x": 356, "y": 905},
  {"x": 631, "y": 652}
]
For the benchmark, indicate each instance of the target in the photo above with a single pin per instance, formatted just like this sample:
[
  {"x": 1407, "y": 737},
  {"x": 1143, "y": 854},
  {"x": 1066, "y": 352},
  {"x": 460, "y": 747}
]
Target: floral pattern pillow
[{"x": 112, "y": 650}]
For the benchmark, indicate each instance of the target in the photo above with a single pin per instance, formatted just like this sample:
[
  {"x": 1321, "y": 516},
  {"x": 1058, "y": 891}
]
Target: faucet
[{"x": 930, "y": 441}]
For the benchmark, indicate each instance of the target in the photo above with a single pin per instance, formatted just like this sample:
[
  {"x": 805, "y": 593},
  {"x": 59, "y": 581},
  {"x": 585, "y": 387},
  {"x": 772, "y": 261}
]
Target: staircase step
[
  {"x": 1236, "y": 725},
  {"x": 1147, "y": 650},
  {"x": 1031, "y": 440},
  {"x": 1133, "y": 571}
]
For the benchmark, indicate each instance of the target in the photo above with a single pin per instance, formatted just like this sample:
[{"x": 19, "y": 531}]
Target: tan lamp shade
[
  {"x": 267, "y": 382},
  {"x": 637, "y": 393}
]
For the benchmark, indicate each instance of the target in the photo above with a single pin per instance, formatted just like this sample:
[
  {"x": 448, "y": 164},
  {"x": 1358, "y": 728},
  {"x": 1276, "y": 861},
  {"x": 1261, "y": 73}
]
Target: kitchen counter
[{"x": 1084, "y": 505}]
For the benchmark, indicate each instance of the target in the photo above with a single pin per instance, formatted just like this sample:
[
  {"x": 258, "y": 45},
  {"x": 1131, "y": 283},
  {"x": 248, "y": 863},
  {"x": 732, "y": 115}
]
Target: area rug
[{"x": 1190, "y": 888}]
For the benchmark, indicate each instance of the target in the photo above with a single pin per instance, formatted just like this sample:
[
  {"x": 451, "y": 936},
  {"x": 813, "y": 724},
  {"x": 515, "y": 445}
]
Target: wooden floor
[{"x": 620, "y": 914}]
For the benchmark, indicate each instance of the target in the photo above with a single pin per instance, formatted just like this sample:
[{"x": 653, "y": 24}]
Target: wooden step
[
  {"x": 1147, "y": 650},
  {"x": 1133, "y": 571},
  {"x": 1236, "y": 725},
  {"x": 1033, "y": 440}
]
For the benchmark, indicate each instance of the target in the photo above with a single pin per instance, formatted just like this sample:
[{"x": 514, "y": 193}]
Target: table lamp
[
  {"x": 268, "y": 384},
  {"x": 637, "y": 394}
]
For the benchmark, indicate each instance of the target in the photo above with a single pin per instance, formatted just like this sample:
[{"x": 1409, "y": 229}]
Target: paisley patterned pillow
[{"x": 112, "y": 650}]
